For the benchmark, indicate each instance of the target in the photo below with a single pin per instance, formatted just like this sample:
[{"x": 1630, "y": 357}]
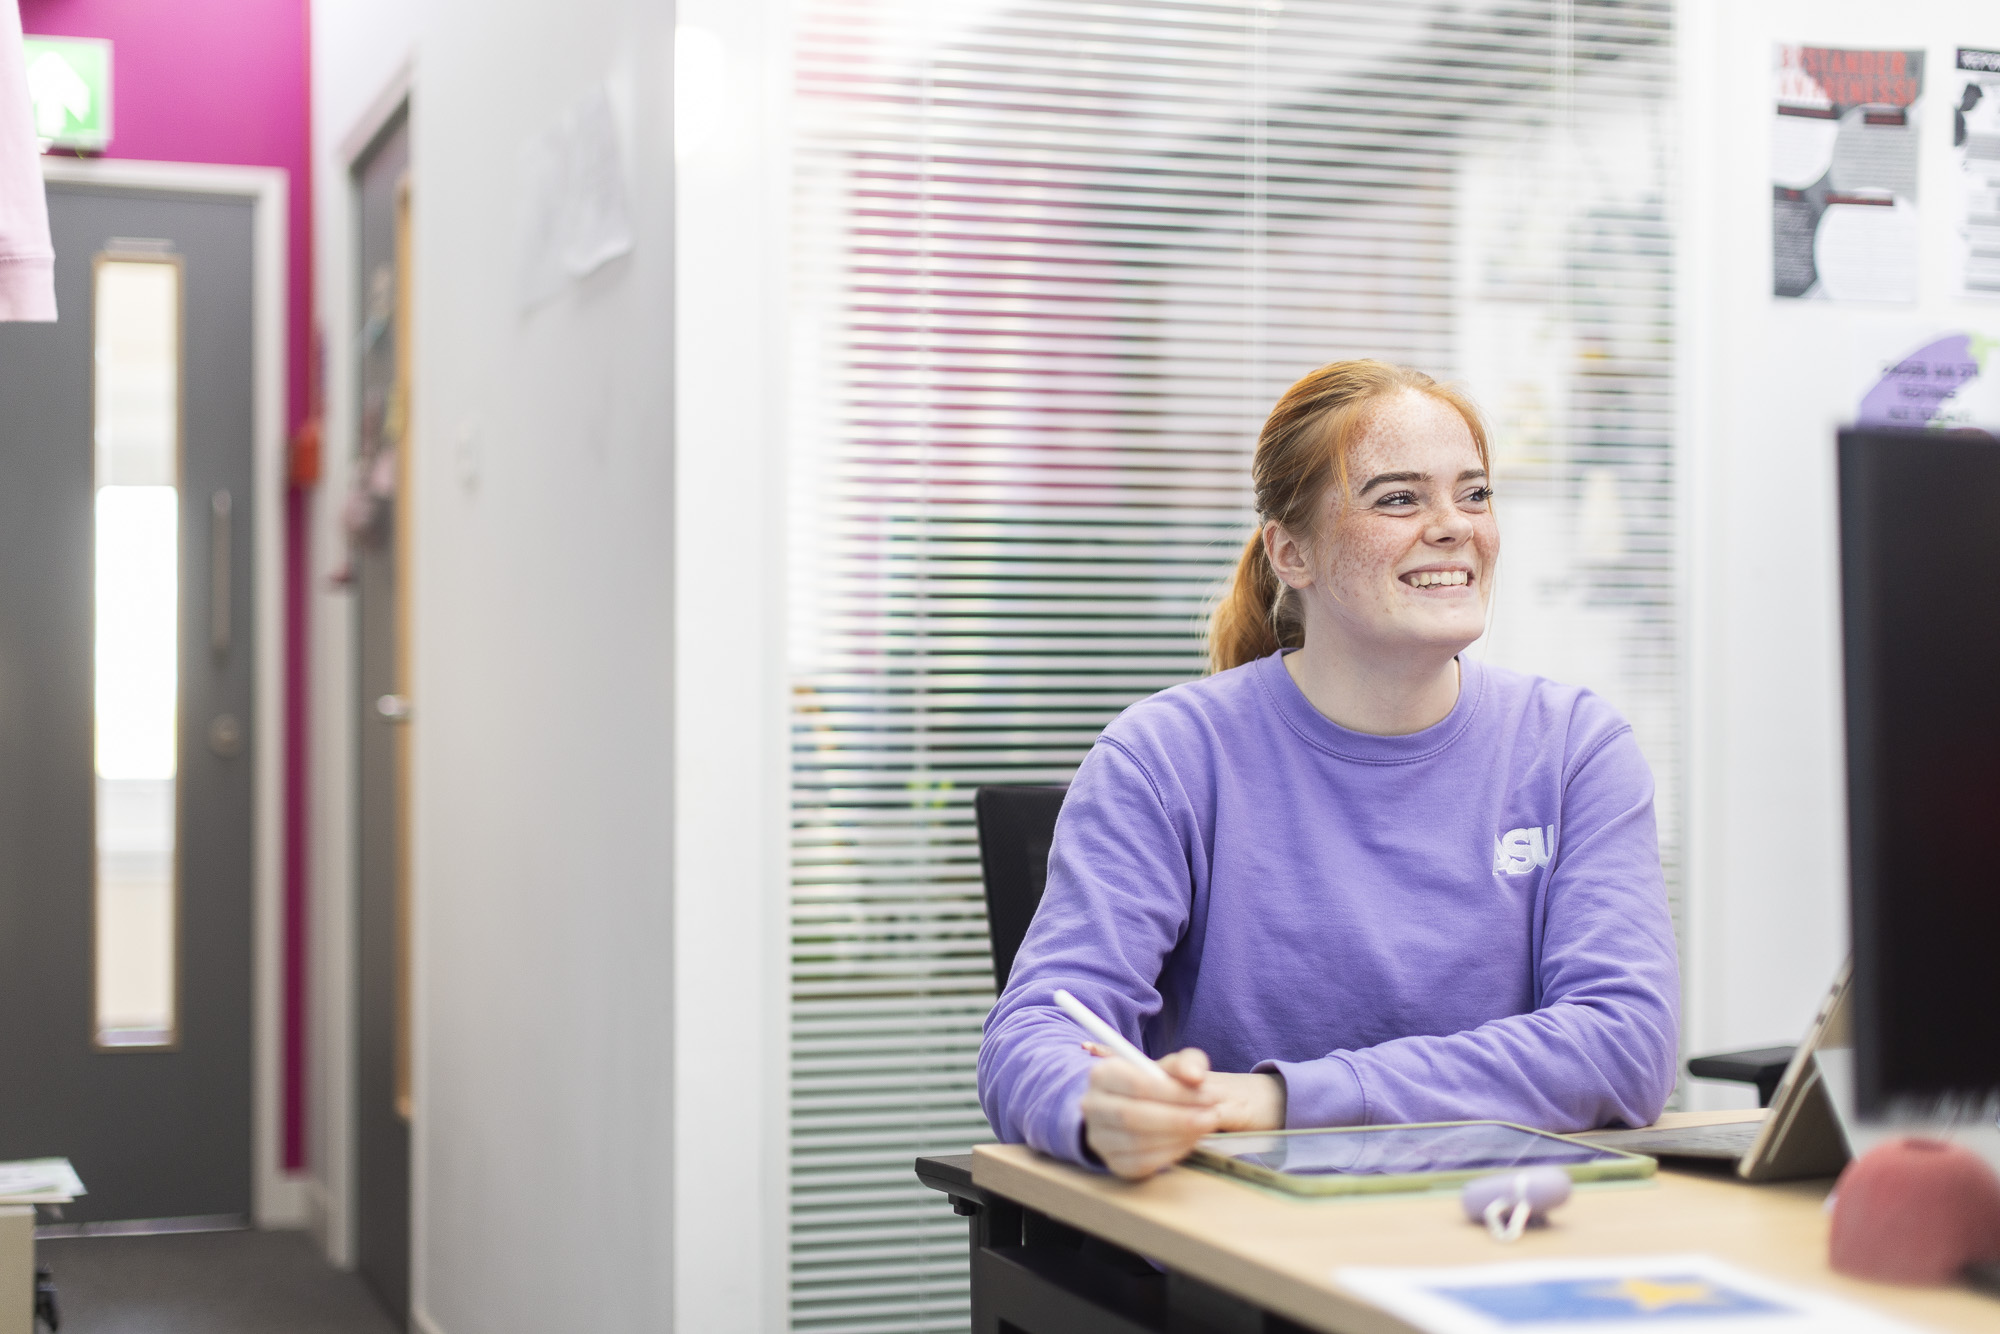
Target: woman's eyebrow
[{"x": 1383, "y": 479}]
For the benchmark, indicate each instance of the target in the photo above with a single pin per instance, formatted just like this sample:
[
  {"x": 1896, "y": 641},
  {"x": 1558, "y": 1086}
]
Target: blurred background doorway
[
  {"x": 128, "y": 662},
  {"x": 378, "y": 520}
]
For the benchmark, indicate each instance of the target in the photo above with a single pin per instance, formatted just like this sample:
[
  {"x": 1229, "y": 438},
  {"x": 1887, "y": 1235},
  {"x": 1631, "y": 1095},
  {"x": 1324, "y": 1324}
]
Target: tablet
[{"x": 1358, "y": 1160}]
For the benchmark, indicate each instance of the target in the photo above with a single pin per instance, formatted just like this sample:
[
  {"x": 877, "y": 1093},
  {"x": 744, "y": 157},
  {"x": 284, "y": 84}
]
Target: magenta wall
[
  {"x": 226, "y": 81},
  {"x": 210, "y": 81}
]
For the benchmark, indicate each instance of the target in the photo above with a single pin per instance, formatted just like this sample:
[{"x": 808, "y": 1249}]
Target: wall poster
[
  {"x": 1975, "y": 142},
  {"x": 1920, "y": 375},
  {"x": 1844, "y": 173}
]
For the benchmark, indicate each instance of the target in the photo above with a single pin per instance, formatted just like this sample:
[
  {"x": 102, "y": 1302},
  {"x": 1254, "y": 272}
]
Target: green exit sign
[{"x": 69, "y": 82}]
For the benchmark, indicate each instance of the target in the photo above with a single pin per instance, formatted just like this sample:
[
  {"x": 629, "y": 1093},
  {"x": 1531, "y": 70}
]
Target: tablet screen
[{"x": 1472, "y": 1146}]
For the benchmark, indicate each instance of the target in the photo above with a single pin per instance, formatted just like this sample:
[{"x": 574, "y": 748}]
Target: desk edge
[{"x": 1332, "y": 1309}]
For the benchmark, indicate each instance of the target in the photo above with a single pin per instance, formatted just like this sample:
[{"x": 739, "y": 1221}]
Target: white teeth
[{"x": 1436, "y": 578}]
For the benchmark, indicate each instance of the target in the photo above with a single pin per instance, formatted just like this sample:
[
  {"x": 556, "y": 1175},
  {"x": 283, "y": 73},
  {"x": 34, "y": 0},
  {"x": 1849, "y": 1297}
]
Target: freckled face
[{"x": 1405, "y": 558}]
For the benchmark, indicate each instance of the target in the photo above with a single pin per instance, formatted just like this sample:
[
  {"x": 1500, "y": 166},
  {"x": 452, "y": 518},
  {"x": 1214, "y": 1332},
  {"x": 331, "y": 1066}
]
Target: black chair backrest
[{"x": 1016, "y": 827}]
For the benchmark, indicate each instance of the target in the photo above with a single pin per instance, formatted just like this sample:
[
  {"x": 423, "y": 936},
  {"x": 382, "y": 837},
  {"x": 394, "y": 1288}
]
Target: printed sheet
[
  {"x": 1975, "y": 143},
  {"x": 1844, "y": 173},
  {"x": 1654, "y": 1294}
]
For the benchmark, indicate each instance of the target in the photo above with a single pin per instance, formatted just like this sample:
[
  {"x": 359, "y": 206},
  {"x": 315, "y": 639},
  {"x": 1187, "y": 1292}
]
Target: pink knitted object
[{"x": 1915, "y": 1211}]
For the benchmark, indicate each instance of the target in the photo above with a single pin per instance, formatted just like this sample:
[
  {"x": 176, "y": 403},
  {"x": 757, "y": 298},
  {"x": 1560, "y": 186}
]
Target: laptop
[{"x": 1802, "y": 1135}]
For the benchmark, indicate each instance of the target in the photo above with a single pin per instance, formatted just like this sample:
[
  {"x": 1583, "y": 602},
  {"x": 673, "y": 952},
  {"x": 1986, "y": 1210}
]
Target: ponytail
[
  {"x": 1244, "y": 626},
  {"x": 1300, "y": 452}
]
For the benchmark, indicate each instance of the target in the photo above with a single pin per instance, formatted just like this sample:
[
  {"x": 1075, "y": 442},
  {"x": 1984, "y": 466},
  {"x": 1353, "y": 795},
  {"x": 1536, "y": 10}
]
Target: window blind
[{"x": 1052, "y": 264}]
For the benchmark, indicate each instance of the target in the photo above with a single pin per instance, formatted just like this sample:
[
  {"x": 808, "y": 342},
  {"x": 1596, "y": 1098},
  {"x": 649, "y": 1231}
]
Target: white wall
[
  {"x": 543, "y": 697},
  {"x": 545, "y": 693},
  {"x": 1767, "y": 383},
  {"x": 732, "y": 783}
]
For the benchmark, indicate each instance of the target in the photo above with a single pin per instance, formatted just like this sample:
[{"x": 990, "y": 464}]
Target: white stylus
[{"x": 1108, "y": 1036}]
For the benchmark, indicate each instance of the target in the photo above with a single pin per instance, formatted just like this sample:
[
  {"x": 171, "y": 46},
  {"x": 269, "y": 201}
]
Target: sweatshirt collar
[{"x": 1324, "y": 734}]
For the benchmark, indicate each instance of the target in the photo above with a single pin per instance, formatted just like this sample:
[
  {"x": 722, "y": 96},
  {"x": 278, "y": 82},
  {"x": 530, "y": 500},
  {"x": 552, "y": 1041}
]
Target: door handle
[
  {"x": 225, "y": 736},
  {"x": 219, "y": 507},
  {"x": 393, "y": 708}
]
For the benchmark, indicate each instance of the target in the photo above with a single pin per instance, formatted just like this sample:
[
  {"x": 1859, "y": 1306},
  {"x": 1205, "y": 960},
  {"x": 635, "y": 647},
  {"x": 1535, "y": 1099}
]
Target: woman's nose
[{"x": 1448, "y": 527}]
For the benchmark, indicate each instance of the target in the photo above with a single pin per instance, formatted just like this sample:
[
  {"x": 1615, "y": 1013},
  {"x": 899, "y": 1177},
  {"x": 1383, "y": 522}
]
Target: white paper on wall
[
  {"x": 1844, "y": 173},
  {"x": 574, "y": 203},
  {"x": 1975, "y": 139},
  {"x": 1867, "y": 251},
  {"x": 599, "y": 215}
]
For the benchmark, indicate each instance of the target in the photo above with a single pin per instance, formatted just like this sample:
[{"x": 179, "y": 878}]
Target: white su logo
[{"x": 1519, "y": 851}]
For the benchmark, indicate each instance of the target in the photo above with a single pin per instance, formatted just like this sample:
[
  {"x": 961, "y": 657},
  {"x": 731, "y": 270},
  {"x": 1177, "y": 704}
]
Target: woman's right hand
[{"x": 1138, "y": 1124}]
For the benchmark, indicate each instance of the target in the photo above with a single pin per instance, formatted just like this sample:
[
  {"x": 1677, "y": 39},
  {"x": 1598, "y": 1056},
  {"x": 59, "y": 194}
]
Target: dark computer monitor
[{"x": 1920, "y": 585}]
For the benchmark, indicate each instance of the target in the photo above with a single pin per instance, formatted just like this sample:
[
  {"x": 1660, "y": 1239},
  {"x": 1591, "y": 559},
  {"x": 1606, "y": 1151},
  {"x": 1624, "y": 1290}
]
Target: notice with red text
[{"x": 1844, "y": 173}]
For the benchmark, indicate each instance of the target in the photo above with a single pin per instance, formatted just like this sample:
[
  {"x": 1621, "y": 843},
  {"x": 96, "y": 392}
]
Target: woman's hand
[
  {"x": 1250, "y": 1102},
  {"x": 1139, "y": 1125}
]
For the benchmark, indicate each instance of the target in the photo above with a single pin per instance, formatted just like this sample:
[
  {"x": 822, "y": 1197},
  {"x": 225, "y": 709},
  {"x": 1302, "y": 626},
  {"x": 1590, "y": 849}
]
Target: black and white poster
[
  {"x": 1844, "y": 173},
  {"x": 1975, "y": 143}
]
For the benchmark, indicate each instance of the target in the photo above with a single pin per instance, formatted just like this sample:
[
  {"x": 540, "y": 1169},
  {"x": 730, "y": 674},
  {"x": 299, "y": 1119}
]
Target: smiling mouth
[{"x": 1438, "y": 578}]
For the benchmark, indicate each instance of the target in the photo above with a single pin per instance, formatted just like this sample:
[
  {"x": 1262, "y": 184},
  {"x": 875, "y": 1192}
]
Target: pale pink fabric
[{"x": 27, "y": 264}]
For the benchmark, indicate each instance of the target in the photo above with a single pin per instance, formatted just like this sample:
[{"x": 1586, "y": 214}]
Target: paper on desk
[
  {"x": 39, "y": 1181},
  {"x": 1656, "y": 1293}
]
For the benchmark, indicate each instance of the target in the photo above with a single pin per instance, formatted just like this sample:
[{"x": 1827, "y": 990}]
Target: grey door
[
  {"x": 382, "y": 1113},
  {"x": 149, "y": 1097}
]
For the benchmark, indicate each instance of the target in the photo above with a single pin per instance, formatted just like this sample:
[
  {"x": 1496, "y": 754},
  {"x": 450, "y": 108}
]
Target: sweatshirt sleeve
[
  {"x": 1116, "y": 903},
  {"x": 27, "y": 264},
  {"x": 1601, "y": 1046}
]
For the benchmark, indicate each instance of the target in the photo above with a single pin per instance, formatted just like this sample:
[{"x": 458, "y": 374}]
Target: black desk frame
[{"x": 1034, "y": 1275}]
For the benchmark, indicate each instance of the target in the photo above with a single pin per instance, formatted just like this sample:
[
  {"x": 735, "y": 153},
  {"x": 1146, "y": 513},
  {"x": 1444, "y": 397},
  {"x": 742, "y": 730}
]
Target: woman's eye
[
  {"x": 1480, "y": 496},
  {"x": 1398, "y": 498}
]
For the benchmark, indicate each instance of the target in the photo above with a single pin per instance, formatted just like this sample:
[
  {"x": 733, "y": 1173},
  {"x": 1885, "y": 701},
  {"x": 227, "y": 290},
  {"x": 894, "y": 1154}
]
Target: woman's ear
[{"x": 1288, "y": 555}]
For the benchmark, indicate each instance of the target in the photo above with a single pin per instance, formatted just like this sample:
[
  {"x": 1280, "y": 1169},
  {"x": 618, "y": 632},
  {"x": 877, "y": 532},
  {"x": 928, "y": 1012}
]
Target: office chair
[
  {"x": 1016, "y": 826},
  {"x": 1764, "y": 1067}
]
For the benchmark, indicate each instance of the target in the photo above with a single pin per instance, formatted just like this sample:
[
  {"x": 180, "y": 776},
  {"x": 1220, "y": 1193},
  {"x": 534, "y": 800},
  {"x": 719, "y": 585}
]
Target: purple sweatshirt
[{"x": 1466, "y": 922}]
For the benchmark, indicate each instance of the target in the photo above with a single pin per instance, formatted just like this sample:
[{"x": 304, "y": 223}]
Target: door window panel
[{"x": 137, "y": 401}]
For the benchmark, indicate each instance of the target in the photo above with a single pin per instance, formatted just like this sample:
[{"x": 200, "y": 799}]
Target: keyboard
[{"x": 1726, "y": 1142}]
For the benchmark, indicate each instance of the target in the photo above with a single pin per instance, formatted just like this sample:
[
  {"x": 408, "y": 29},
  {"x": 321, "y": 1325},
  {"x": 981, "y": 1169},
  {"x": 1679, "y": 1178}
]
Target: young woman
[{"x": 1350, "y": 877}]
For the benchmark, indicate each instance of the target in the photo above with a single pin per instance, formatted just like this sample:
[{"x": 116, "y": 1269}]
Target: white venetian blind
[{"x": 1052, "y": 263}]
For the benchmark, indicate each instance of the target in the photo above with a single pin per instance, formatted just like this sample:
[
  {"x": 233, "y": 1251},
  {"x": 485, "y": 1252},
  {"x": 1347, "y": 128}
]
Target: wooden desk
[
  {"x": 17, "y": 1269},
  {"x": 1242, "y": 1259}
]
